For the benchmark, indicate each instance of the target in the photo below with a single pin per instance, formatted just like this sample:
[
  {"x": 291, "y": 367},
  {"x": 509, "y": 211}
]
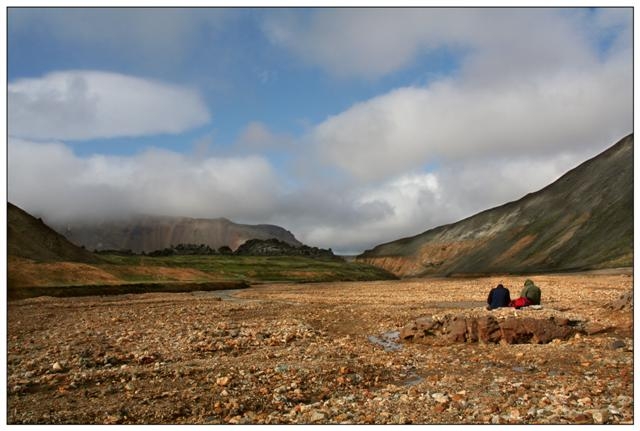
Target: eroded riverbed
[{"x": 252, "y": 356}]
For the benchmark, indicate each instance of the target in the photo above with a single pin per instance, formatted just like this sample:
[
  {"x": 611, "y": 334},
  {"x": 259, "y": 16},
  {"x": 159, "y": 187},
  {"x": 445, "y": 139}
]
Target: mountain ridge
[
  {"x": 583, "y": 220},
  {"x": 147, "y": 233}
]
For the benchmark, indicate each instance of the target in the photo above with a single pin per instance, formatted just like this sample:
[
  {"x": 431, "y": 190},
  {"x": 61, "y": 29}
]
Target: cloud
[
  {"x": 354, "y": 218},
  {"x": 530, "y": 82},
  {"x": 345, "y": 216},
  {"x": 410, "y": 127},
  {"x": 371, "y": 43},
  {"x": 350, "y": 42},
  {"x": 79, "y": 105},
  {"x": 48, "y": 179},
  {"x": 157, "y": 37}
]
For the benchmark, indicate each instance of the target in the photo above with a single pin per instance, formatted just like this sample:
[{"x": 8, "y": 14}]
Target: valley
[{"x": 302, "y": 353}]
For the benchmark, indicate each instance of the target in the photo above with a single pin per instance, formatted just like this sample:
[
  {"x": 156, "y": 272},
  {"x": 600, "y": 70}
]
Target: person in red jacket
[{"x": 498, "y": 297}]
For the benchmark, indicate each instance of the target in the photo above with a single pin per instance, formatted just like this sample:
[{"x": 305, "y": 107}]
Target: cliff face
[
  {"x": 149, "y": 233},
  {"x": 584, "y": 220}
]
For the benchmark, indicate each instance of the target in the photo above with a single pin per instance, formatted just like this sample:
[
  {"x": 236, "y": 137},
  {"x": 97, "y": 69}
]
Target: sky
[{"x": 349, "y": 127}]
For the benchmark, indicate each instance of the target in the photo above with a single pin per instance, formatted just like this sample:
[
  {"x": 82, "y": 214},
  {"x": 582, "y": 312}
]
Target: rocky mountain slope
[
  {"x": 150, "y": 233},
  {"x": 30, "y": 238},
  {"x": 584, "y": 220}
]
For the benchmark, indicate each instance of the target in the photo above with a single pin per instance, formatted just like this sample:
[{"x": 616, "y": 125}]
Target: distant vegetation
[
  {"x": 252, "y": 247},
  {"x": 253, "y": 269}
]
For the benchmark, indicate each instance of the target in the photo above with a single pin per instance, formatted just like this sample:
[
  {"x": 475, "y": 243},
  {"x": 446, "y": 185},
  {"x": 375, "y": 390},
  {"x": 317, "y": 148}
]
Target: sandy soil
[{"x": 307, "y": 353}]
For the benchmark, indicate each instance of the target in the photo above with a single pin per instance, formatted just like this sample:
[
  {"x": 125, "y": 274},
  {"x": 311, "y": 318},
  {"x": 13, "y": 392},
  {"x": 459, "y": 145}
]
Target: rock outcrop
[
  {"x": 274, "y": 247},
  {"x": 490, "y": 329}
]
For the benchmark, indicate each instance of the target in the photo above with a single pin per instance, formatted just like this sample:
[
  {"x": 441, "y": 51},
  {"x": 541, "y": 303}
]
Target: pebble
[
  {"x": 618, "y": 344},
  {"x": 222, "y": 381},
  {"x": 317, "y": 417},
  {"x": 440, "y": 397},
  {"x": 600, "y": 416}
]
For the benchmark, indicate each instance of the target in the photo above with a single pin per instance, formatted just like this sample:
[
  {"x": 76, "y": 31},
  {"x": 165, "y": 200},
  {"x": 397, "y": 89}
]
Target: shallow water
[
  {"x": 388, "y": 340},
  {"x": 225, "y": 295}
]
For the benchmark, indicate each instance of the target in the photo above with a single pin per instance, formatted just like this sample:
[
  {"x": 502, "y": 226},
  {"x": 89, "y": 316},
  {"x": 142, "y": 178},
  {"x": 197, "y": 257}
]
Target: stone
[
  {"x": 222, "y": 381},
  {"x": 57, "y": 367},
  {"x": 408, "y": 332},
  {"x": 426, "y": 324},
  {"x": 600, "y": 416},
  {"x": 582, "y": 419},
  {"x": 618, "y": 344},
  {"x": 488, "y": 329},
  {"x": 624, "y": 302},
  {"x": 592, "y": 328},
  {"x": 440, "y": 397},
  {"x": 317, "y": 416},
  {"x": 513, "y": 332},
  {"x": 458, "y": 331}
]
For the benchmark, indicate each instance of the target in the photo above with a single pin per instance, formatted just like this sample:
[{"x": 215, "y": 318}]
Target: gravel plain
[{"x": 316, "y": 354}]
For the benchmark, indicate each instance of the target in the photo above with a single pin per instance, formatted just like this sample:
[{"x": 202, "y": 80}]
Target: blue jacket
[{"x": 498, "y": 297}]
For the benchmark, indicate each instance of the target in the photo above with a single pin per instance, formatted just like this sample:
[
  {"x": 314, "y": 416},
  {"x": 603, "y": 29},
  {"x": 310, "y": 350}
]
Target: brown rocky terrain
[
  {"x": 319, "y": 354},
  {"x": 584, "y": 220}
]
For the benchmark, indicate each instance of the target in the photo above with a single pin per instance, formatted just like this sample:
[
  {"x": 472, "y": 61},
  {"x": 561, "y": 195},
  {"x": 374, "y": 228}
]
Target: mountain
[
  {"x": 150, "y": 233},
  {"x": 584, "y": 220},
  {"x": 30, "y": 238}
]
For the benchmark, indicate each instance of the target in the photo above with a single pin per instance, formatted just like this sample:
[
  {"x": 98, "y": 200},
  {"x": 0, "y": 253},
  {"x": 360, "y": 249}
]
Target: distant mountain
[
  {"x": 584, "y": 220},
  {"x": 150, "y": 233},
  {"x": 30, "y": 238}
]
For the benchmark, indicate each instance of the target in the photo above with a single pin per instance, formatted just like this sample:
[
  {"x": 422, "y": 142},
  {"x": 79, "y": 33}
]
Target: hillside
[
  {"x": 30, "y": 238},
  {"x": 43, "y": 262},
  {"x": 584, "y": 220},
  {"x": 150, "y": 233}
]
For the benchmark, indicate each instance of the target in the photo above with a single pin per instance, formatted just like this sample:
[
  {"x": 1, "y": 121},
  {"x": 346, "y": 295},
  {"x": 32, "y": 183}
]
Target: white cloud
[
  {"x": 155, "y": 37},
  {"x": 347, "y": 42},
  {"x": 48, "y": 179},
  {"x": 374, "y": 42},
  {"x": 533, "y": 81},
  {"x": 77, "y": 105},
  {"x": 410, "y": 204}
]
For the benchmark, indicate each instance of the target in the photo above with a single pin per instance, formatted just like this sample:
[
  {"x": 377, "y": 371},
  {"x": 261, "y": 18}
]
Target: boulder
[{"x": 488, "y": 329}]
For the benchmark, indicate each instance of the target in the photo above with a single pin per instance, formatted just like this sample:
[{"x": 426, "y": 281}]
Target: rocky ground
[{"x": 316, "y": 354}]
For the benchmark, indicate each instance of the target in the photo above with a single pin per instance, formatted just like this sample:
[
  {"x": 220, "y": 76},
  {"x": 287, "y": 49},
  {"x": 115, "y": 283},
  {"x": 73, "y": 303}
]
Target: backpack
[{"x": 520, "y": 302}]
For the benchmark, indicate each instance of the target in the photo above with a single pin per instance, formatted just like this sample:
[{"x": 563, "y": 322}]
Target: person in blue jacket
[{"x": 498, "y": 297}]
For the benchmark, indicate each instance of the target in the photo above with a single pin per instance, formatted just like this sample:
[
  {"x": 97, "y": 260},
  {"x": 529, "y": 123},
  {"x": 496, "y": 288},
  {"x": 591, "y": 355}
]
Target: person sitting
[
  {"x": 498, "y": 297},
  {"x": 531, "y": 292}
]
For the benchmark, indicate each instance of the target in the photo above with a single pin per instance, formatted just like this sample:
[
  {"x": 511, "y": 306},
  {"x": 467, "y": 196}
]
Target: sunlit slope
[{"x": 584, "y": 220}]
